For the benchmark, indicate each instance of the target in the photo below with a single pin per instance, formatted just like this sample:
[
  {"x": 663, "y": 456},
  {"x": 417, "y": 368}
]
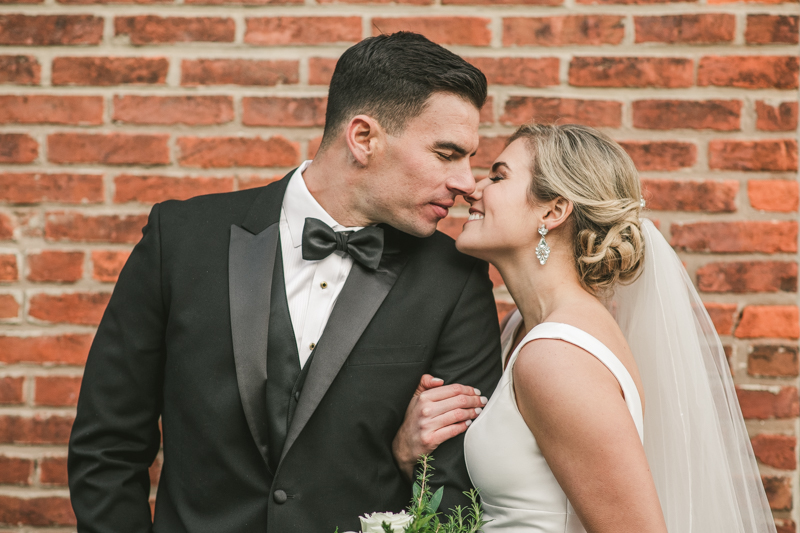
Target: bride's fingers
[
  {"x": 428, "y": 382},
  {"x": 431, "y": 409},
  {"x": 456, "y": 416},
  {"x": 448, "y": 432},
  {"x": 448, "y": 391}
]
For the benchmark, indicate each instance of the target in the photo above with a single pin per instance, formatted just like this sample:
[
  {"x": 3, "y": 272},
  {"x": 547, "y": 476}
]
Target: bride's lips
[{"x": 441, "y": 209}]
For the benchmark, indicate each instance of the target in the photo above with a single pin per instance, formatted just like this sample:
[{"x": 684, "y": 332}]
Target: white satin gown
[{"x": 517, "y": 488}]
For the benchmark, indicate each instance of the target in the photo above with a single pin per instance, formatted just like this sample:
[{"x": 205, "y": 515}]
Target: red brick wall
[{"x": 108, "y": 107}]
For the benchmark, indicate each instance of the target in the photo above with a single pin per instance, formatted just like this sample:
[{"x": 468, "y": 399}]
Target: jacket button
[
  {"x": 279, "y": 496},
  {"x": 297, "y": 396}
]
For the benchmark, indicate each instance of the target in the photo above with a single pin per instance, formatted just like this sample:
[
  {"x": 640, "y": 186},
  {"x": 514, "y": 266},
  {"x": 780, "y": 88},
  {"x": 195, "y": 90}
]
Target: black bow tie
[{"x": 320, "y": 241}]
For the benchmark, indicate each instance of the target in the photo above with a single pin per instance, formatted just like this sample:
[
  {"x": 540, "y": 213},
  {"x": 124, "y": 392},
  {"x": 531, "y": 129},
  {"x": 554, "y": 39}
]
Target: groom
[{"x": 279, "y": 333}]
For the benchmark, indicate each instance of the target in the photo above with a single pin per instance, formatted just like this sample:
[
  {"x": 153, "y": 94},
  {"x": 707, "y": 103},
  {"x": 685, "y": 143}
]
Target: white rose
[{"x": 372, "y": 523}]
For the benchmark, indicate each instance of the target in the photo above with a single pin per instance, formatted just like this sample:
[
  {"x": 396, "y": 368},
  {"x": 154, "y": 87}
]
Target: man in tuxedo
[{"x": 279, "y": 333}]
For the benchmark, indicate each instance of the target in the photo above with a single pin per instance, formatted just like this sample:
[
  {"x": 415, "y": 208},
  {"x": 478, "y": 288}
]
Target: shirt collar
[{"x": 299, "y": 204}]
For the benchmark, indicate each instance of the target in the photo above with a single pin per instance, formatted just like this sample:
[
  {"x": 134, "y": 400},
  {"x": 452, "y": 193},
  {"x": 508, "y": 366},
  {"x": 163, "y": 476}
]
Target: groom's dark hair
[{"x": 391, "y": 77}]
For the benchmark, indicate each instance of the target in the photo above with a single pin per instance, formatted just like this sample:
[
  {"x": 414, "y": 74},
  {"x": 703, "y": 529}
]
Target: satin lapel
[
  {"x": 251, "y": 260},
  {"x": 362, "y": 295}
]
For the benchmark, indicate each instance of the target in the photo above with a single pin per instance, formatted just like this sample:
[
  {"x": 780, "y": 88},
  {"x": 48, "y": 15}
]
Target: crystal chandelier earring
[{"x": 542, "y": 250}]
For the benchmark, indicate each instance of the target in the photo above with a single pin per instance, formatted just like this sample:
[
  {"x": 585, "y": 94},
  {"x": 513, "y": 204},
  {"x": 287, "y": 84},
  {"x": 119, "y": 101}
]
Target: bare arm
[{"x": 574, "y": 407}]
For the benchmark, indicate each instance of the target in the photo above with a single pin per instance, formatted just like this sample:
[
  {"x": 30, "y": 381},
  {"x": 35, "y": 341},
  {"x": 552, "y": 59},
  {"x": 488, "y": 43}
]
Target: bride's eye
[{"x": 495, "y": 179}]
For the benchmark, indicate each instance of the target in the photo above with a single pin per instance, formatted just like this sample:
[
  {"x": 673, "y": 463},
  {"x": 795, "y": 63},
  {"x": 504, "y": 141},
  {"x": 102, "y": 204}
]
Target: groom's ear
[{"x": 363, "y": 134}]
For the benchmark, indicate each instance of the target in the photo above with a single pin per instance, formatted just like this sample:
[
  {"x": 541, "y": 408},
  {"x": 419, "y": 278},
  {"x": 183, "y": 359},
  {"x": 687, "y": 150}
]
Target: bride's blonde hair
[{"x": 587, "y": 168}]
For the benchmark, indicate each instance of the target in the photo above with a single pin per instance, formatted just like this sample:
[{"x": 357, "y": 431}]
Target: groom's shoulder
[{"x": 222, "y": 208}]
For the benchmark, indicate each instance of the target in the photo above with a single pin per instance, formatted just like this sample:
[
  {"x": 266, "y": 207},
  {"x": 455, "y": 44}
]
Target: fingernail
[
  {"x": 468, "y": 422},
  {"x": 438, "y": 379},
  {"x": 484, "y": 399},
  {"x": 478, "y": 410},
  {"x": 477, "y": 392}
]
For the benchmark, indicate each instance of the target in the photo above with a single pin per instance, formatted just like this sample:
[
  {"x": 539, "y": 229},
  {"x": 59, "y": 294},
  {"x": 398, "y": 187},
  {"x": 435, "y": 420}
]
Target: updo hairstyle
[{"x": 587, "y": 168}]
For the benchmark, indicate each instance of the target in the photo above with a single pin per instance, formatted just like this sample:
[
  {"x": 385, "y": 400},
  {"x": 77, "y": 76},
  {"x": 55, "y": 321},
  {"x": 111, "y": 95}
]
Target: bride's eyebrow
[{"x": 499, "y": 164}]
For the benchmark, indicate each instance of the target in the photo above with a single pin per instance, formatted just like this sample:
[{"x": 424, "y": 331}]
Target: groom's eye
[{"x": 444, "y": 156}]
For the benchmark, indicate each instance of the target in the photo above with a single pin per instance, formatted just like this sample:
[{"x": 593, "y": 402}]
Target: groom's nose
[{"x": 462, "y": 181}]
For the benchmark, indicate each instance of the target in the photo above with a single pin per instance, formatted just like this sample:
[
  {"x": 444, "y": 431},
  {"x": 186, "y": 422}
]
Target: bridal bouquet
[{"x": 422, "y": 515}]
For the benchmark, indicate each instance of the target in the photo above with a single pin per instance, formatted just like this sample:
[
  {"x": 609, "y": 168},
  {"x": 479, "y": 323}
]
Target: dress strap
[{"x": 581, "y": 339}]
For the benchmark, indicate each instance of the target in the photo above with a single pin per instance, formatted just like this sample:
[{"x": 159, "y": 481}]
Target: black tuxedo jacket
[{"x": 184, "y": 339}]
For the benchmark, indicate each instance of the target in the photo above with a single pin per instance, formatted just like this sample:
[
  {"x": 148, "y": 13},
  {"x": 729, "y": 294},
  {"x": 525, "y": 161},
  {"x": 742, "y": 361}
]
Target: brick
[
  {"x": 748, "y": 276},
  {"x": 55, "y": 266},
  {"x": 597, "y": 113},
  {"x": 108, "y": 148},
  {"x": 631, "y": 2},
  {"x": 171, "y": 110},
  {"x": 45, "y": 109},
  {"x": 151, "y": 189},
  {"x": 722, "y": 316},
  {"x": 109, "y": 71},
  {"x": 718, "y": 115},
  {"x": 15, "y": 470},
  {"x": 18, "y": 148},
  {"x": 520, "y": 71},
  {"x": 773, "y": 195},
  {"x": 658, "y": 72},
  {"x": 46, "y": 511},
  {"x": 707, "y": 195},
  {"x": 320, "y": 70},
  {"x": 765, "y": 404},
  {"x": 785, "y": 526},
  {"x": 50, "y": 30},
  {"x": 563, "y": 30},
  {"x": 53, "y": 471},
  {"x": 6, "y": 228},
  {"x": 251, "y": 182},
  {"x": 9, "y": 271},
  {"x": 85, "y": 308},
  {"x": 778, "y": 155},
  {"x": 487, "y": 112},
  {"x": 503, "y": 308},
  {"x": 68, "y": 349},
  {"x": 252, "y": 72},
  {"x": 32, "y": 188},
  {"x": 442, "y": 30},
  {"x": 661, "y": 155},
  {"x": 749, "y": 72},
  {"x": 107, "y": 264},
  {"x": 408, "y": 2},
  {"x": 150, "y": 29},
  {"x": 706, "y": 28},
  {"x": 245, "y": 2},
  {"x": 773, "y": 361},
  {"x": 89, "y": 2},
  {"x": 155, "y": 471},
  {"x": 776, "y": 450},
  {"x": 502, "y": 2},
  {"x": 488, "y": 150},
  {"x": 20, "y": 70},
  {"x": 302, "y": 30},
  {"x": 38, "y": 429},
  {"x": 782, "y": 117},
  {"x": 769, "y": 321},
  {"x": 11, "y": 391},
  {"x": 751, "y": 236},
  {"x": 771, "y": 29},
  {"x": 286, "y": 112},
  {"x": 57, "y": 391},
  {"x": 79, "y": 227},
  {"x": 779, "y": 492},
  {"x": 9, "y": 308},
  {"x": 313, "y": 146},
  {"x": 222, "y": 152}
]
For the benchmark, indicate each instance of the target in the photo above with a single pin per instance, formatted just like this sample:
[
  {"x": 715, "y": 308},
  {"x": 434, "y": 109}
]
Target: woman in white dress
[{"x": 616, "y": 410}]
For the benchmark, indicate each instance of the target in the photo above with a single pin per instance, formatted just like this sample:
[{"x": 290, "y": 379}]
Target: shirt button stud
[
  {"x": 279, "y": 496},
  {"x": 324, "y": 284},
  {"x": 312, "y": 346}
]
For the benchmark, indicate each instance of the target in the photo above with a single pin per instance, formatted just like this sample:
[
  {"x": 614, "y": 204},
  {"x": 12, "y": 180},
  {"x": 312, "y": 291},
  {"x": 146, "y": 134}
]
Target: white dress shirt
[{"x": 312, "y": 287}]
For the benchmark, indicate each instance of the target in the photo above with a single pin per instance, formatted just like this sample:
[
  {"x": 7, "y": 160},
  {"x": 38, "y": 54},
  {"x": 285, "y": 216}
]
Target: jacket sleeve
[
  {"x": 468, "y": 353},
  {"x": 116, "y": 433}
]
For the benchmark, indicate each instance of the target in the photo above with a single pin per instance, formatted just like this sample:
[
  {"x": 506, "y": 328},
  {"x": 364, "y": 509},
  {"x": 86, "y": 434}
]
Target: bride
[{"x": 616, "y": 411}]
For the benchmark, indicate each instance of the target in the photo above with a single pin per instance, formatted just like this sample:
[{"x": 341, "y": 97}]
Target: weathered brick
[
  {"x": 503, "y": 2},
  {"x": 443, "y": 30},
  {"x": 85, "y": 308},
  {"x": 151, "y": 189},
  {"x": 107, "y": 264},
  {"x": 20, "y": 70},
  {"x": 280, "y": 111},
  {"x": 89, "y": 2},
  {"x": 451, "y": 226},
  {"x": 659, "y": 72},
  {"x": 320, "y": 70},
  {"x": 765, "y": 404},
  {"x": 773, "y": 195},
  {"x": 55, "y": 266},
  {"x": 245, "y": 2},
  {"x": 68, "y": 349},
  {"x": 9, "y": 271},
  {"x": 222, "y": 152},
  {"x": 171, "y": 110},
  {"x": 722, "y": 316},
  {"x": 707, "y": 195},
  {"x": 521, "y": 71},
  {"x": 80, "y": 227},
  {"x": 782, "y": 117},
  {"x": 769, "y": 321},
  {"x": 155, "y": 471},
  {"x": 631, "y": 2},
  {"x": 151, "y": 29},
  {"x": 661, "y": 155},
  {"x": 748, "y": 276},
  {"x": 50, "y": 30},
  {"x": 779, "y": 492},
  {"x": 773, "y": 361},
  {"x": 53, "y": 471},
  {"x": 251, "y": 182},
  {"x": 563, "y": 30},
  {"x": 719, "y": 115},
  {"x": 782, "y": 525},
  {"x": 597, "y": 113},
  {"x": 6, "y": 227},
  {"x": 778, "y": 155},
  {"x": 749, "y": 72},
  {"x": 108, "y": 71},
  {"x": 108, "y": 148},
  {"x": 750, "y": 236},
  {"x": 57, "y": 391},
  {"x": 47, "y": 511},
  {"x": 18, "y": 148},
  {"x": 32, "y": 188},
  {"x": 45, "y": 109},
  {"x": 503, "y": 308},
  {"x": 704, "y": 28},
  {"x": 258, "y": 72},
  {"x": 302, "y": 30},
  {"x": 407, "y": 2},
  {"x": 38, "y": 429},
  {"x": 771, "y": 29},
  {"x": 11, "y": 392},
  {"x": 15, "y": 470},
  {"x": 488, "y": 149}
]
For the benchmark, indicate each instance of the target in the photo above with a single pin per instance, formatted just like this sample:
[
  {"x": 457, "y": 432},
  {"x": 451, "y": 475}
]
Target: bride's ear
[{"x": 558, "y": 211}]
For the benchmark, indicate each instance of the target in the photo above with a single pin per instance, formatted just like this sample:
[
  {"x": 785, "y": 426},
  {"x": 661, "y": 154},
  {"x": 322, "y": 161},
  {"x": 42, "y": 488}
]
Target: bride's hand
[{"x": 437, "y": 412}]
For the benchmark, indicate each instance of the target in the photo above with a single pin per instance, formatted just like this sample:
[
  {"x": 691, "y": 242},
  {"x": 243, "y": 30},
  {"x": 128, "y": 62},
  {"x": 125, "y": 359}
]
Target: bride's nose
[{"x": 477, "y": 194}]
